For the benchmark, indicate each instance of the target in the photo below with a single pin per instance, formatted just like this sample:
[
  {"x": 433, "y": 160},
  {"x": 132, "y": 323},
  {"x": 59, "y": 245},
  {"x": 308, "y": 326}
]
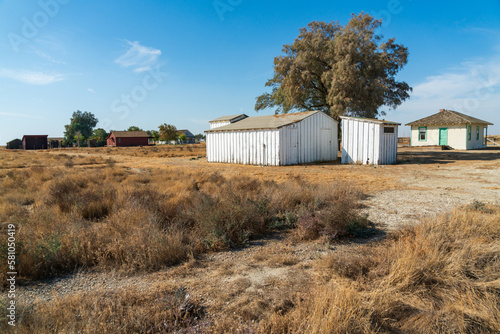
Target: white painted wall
[
  {"x": 365, "y": 142},
  {"x": 475, "y": 142},
  {"x": 457, "y": 136},
  {"x": 312, "y": 139}
]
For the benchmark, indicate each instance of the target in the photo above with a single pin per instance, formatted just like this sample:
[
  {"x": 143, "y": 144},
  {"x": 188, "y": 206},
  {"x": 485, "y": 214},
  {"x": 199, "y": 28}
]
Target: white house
[
  {"x": 451, "y": 128},
  {"x": 226, "y": 120},
  {"x": 369, "y": 141},
  {"x": 275, "y": 140}
]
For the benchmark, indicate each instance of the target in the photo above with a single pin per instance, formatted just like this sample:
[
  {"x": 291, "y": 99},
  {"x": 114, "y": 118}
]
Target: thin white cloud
[
  {"x": 143, "y": 58},
  {"x": 19, "y": 115},
  {"x": 31, "y": 77},
  {"x": 91, "y": 90}
]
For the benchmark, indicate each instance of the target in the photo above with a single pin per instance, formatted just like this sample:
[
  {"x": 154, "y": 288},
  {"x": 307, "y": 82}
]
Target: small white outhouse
[
  {"x": 274, "y": 140},
  {"x": 369, "y": 141}
]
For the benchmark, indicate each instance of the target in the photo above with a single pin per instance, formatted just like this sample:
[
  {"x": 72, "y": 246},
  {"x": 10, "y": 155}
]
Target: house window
[
  {"x": 469, "y": 135},
  {"x": 119, "y": 140},
  {"x": 422, "y": 133},
  {"x": 477, "y": 132},
  {"x": 388, "y": 129}
]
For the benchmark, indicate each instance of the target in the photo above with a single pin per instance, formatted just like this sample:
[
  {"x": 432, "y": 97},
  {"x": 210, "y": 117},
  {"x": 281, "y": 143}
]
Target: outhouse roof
[
  {"x": 227, "y": 118},
  {"x": 371, "y": 120},
  {"x": 265, "y": 122},
  {"x": 448, "y": 117}
]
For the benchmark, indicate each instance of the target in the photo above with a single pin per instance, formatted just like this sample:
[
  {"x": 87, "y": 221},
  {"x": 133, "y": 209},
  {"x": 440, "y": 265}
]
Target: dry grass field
[{"x": 157, "y": 240}]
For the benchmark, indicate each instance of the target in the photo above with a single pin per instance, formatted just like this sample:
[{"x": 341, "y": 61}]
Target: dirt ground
[{"x": 246, "y": 282}]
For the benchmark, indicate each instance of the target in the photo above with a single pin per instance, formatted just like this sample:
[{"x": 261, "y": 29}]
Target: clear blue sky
[{"x": 180, "y": 62}]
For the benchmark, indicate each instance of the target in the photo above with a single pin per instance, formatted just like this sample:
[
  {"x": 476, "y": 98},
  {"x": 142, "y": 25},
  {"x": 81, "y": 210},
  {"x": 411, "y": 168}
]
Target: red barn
[
  {"x": 35, "y": 142},
  {"x": 127, "y": 138}
]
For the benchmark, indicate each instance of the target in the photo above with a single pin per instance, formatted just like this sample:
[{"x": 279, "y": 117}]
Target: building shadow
[{"x": 420, "y": 156}]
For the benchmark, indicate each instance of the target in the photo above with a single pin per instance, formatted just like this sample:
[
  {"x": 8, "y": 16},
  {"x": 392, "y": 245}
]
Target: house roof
[
  {"x": 371, "y": 120},
  {"x": 185, "y": 132},
  {"x": 265, "y": 122},
  {"x": 228, "y": 118},
  {"x": 14, "y": 140},
  {"x": 33, "y": 136},
  {"x": 130, "y": 134},
  {"x": 448, "y": 117}
]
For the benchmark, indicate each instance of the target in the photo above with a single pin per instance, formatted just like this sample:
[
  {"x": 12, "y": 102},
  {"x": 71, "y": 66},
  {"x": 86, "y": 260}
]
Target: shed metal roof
[
  {"x": 371, "y": 120},
  {"x": 227, "y": 118},
  {"x": 130, "y": 134},
  {"x": 448, "y": 117},
  {"x": 265, "y": 122}
]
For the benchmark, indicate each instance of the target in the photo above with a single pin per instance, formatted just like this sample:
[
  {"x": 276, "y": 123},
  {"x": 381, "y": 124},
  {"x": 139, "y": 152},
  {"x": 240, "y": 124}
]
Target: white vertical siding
[
  {"x": 242, "y": 147},
  {"x": 366, "y": 143},
  {"x": 312, "y": 139}
]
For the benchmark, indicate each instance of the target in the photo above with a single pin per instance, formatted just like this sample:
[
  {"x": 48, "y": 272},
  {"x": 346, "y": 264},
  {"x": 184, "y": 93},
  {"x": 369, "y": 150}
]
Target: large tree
[
  {"x": 134, "y": 128},
  {"x": 80, "y": 128},
  {"x": 168, "y": 132},
  {"x": 341, "y": 70}
]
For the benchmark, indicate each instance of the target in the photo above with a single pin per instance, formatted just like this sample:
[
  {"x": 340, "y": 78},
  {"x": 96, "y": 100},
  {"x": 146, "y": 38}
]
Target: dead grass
[
  {"x": 131, "y": 220},
  {"x": 439, "y": 276}
]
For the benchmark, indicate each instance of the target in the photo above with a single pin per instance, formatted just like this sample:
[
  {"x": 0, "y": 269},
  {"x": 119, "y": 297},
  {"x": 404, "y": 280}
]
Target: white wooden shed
[
  {"x": 369, "y": 141},
  {"x": 275, "y": 140}
]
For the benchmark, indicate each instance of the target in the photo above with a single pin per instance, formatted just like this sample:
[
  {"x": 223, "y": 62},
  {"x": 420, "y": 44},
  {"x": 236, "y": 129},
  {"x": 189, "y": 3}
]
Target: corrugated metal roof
[
  {"x": 130, "y": 134},
  {"x": 227, "y": 118},
  {"x": 448, "y": 117},
  {"x": 265, "y": 122},
  {"x": 372, "y": 120}
]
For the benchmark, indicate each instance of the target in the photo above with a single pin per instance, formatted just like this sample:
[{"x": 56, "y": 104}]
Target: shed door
[
  {"x": 294, "y": 146},
  {"x": 443, "y": 136},
  {"x": 326, "y": 144}
]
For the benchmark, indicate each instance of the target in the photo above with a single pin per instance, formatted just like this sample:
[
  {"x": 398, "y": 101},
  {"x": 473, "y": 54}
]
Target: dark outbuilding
[
  {"x": 15, "y": 144},
  {"x": 35, "y": 142},
  {"x": 127, "y": 138}
]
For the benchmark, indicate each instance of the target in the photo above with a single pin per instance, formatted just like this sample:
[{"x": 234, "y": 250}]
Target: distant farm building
[
  {"x": 275, "y": 140},
  {"x": 15, "y": 144},
  {"x": 35, "y": 142},
  {"x": 450, "y": 128},
  {"x": 369, "y": 141},
  {"x": 127, "y": 138},
  {"x": 190, "y": 138},
  {"x": 226, "y": 120}
]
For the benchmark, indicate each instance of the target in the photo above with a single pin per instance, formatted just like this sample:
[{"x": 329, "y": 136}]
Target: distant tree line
[{"x": 82, "y": 129}]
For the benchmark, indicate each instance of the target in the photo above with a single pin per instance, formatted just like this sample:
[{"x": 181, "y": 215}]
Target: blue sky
[{"x": 186, "y": 62}]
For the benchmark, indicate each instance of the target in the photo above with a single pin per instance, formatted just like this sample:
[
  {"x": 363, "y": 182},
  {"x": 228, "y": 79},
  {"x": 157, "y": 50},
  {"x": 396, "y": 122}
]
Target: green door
[{"x": 443, "y": 136}]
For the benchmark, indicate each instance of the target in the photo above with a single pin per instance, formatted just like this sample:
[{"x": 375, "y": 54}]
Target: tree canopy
[
  {"x": 134, "y": 128},
  {"x": 99, "y": 135},
  {"x": 340, "y": 70},
  {"x": 168, "y": 132},
  {"x": 80, "y": 128},
  {"x": 153, "y": 134}
]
